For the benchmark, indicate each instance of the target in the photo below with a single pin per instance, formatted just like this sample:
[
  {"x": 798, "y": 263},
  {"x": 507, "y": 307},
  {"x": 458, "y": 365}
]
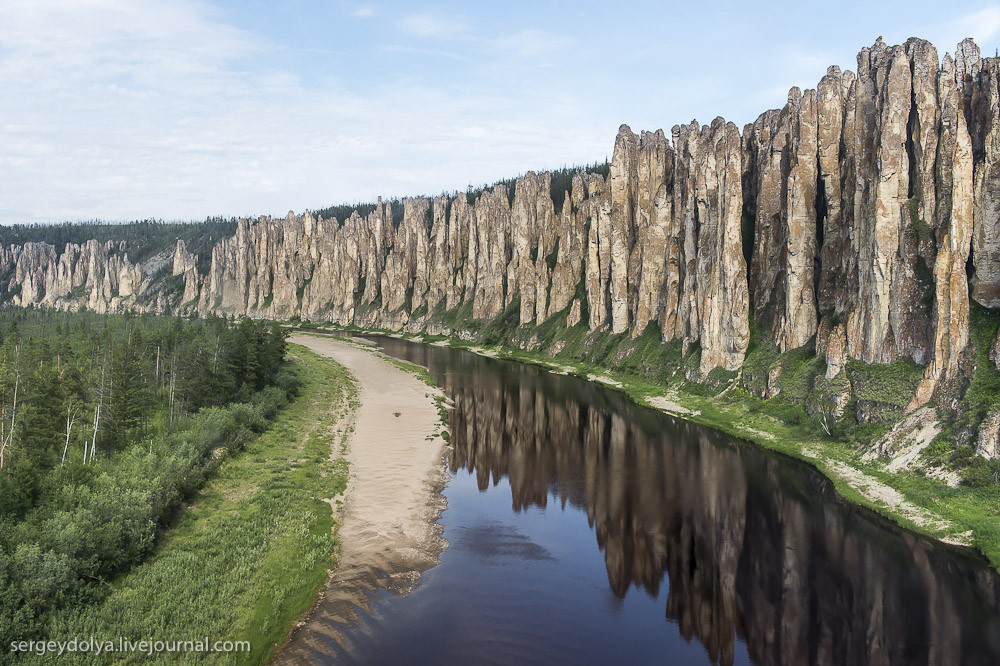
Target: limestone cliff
[{"x": 854, "y": 211}]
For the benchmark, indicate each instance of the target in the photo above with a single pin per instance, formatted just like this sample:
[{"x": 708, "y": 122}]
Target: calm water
[{"x": 585, "y": 529}]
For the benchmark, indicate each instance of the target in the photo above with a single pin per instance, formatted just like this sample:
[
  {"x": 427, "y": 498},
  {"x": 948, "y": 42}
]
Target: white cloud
[
  {"x": 364, "y": 11},
  {"x": 533, "y": 43},
  {"x": 792, "y": 66},
  {"x": 432, "y": 26},
  {"x": 402, "y": 48},
  {"x": 123, "y": 111},
  {"x": 981, "y": 25}
]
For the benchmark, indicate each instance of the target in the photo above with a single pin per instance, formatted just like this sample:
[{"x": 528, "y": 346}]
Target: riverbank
[
  {"x": 250, "y": 553},
  {"x": 388, "y": 529},
  {"x": 958, "y": 515}
]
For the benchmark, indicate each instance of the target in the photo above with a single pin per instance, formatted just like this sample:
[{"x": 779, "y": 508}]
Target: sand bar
[{"x": 388, "y": 530}]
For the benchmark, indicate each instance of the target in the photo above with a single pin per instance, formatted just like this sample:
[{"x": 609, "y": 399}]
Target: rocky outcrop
[
  {"x": 675, "y": 254},
  {"x": 988, "y": 442},
  {"x": 953, "y": 226},
  {"x": 781, "y": 173},
  {"x": 185, "y": 264},
  {"x": 719, "y": 289},
  {"x": 978, "y": 90},
  {"x": 92, "y": 275},
  {"x": 843, "y": 221},
  {"x": 837, "y": 276},
  {"x": 534, "y": 234},
  {"x": 598, "y": 257},
  {"x": 571, "y": 245},
  {"x": 836, "y": 348}
]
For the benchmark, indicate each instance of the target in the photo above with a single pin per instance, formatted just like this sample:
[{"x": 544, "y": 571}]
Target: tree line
[
  {"x": 141, "y": 239},
  {"x": 107, "y": 424}
]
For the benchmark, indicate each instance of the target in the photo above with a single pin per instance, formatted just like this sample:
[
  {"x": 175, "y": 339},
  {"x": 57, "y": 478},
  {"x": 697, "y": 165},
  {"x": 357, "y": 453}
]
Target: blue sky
[{"x": 188, "y": 108}]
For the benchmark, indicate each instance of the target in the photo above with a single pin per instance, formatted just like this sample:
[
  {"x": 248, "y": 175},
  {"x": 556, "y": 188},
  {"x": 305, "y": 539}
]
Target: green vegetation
[
  {"x": 472, "y": 194},
  {"x": 924, "y": 231},
  {"x": 561, "y": 183},
  {"x": 983, "y": 393},
  {"x": 925, "y": 236},
  {"x": 247, "y": 559},
  {"x": 107, "y": 426},
  {"x": 562, "y": 180},
  {"x": 342, "y": 212},
  {"x": 413, "y": 368},
  {"x": 884, "y": 390}
]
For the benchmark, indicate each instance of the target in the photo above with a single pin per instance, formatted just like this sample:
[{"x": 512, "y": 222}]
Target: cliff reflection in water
[{"x": 752, "y": 545}]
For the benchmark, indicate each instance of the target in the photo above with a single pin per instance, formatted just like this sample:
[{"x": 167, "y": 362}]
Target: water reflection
[{"x": 751, "y": 546}]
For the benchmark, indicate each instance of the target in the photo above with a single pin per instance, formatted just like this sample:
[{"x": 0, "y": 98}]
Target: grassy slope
[
  {"x": 248, "y": 558},
  {"x": 645, "y": 368}
]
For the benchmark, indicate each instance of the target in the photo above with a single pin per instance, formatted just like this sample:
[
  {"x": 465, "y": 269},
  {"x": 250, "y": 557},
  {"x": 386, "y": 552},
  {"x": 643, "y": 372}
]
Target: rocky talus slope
[{"x": 858, "y": 220}]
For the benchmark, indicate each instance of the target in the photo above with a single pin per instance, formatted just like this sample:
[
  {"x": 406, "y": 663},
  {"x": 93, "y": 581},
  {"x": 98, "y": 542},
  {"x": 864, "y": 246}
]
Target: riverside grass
[
  {"x": 247, "y": 559},
  {"x": 650, "y": 370}
]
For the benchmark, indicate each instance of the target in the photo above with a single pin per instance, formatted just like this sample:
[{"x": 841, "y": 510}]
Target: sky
[{"x": 184, "y": 109}]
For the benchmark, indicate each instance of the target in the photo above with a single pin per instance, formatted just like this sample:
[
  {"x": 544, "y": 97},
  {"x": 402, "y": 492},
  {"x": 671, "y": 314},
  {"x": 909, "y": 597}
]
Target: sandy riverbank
[{"x": 388, "y": 532}]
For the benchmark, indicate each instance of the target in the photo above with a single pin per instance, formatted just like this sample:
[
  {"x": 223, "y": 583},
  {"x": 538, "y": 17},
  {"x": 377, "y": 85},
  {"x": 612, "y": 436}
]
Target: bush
[
  {"x": 883, "y": 390},
  {"x": 101, "y": 520},
  {"x": 288, "y": 382},
  {"x": 270, "y": 400},
  {"x": 981, "y": 473}
]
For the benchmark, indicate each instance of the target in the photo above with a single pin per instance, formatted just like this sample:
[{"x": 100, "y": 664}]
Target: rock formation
[{"x": 855, "y": 208}]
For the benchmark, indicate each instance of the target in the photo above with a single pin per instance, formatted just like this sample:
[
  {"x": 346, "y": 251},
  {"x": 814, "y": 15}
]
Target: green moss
[
  {"x": 359, "y": 293},
  {"x": 720, "y": 377},
  {"x": 455, "y": 317},
  {"x": 301, "y": 289},
  {"x": 820, "y": 398},
  {"x": 645, "y": 356},
  {"x": 883, "y": 390},
  {"x": 983, "y": 394},
  {"x": 799, "y": 369},
  {"x": 759, "y": 360},
  {"x": 747, "y": 229},
  {"x": 415, "y": 369},
  {"x": 580, "y": 293},
  {"x": 503, "y": 328}
]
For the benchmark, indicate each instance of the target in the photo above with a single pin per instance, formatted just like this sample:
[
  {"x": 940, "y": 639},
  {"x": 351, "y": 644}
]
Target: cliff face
[{"x": 860, "y": 203}]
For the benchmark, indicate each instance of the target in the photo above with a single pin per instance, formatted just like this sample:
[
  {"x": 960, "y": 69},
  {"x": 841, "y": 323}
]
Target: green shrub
[{"x": 883, "y": 390}]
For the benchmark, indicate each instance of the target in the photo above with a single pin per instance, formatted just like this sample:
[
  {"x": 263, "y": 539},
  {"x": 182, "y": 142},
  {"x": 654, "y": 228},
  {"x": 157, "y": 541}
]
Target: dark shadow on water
[{"x": 496, "y": 544}]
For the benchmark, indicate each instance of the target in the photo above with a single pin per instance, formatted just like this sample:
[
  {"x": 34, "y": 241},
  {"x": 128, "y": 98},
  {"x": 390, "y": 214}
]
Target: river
[{"x": 586, "y": 529}]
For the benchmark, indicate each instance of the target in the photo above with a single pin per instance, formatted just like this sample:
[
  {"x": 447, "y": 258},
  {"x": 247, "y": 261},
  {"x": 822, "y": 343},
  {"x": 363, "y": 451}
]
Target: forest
[
  {"x": 141, "y": 239},
  {"x": 107, "y": 425}
]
